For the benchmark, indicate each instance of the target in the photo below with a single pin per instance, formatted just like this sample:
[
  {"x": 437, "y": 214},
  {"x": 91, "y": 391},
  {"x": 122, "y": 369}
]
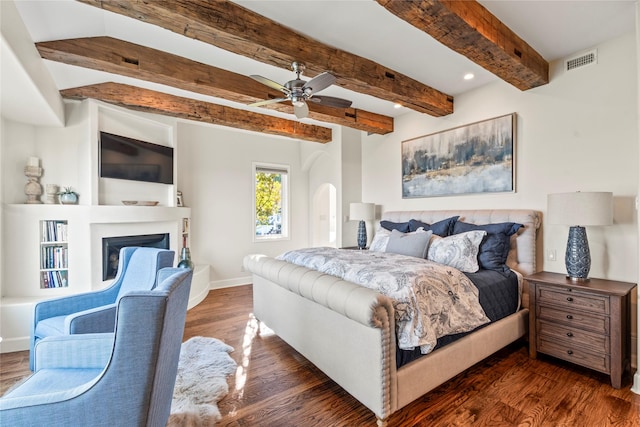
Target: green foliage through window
[
  {"x": 268, "y": 196},
  {"x": 271, "y": 203}
]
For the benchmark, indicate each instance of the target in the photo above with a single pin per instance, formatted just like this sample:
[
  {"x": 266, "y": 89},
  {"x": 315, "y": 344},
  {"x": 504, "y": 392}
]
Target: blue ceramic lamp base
[
  {"x": 578, "y": 257},
  {"x": 362, "y": 235}
]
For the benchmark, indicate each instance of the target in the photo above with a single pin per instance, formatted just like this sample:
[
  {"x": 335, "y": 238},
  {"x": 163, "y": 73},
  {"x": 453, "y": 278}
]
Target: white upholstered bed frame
[{"x": 348, "y": 331}]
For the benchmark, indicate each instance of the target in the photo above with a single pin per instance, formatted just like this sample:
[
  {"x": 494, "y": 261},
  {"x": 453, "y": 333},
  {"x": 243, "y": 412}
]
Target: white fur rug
[{"x": 201, "y": 382}]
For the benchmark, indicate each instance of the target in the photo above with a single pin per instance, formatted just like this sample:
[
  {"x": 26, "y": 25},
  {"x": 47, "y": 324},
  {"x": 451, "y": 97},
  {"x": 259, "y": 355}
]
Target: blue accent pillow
[
  {"x": 494, "y": 249},
  {"x": 442, "y": 228},
  {"x": 403, "y": 227}
]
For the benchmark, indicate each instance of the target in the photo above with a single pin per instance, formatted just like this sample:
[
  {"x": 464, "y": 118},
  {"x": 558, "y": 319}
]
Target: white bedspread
[{"x": 431, "y": 300}]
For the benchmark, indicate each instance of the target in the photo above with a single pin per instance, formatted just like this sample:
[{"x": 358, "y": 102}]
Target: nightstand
[
  {"x": 355, "y": 248},
  {"x": 586, "y": 323}
]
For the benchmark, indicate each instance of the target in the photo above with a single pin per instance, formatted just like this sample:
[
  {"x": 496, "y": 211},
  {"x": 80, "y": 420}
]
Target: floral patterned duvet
[{"x": 431, "y": 300}]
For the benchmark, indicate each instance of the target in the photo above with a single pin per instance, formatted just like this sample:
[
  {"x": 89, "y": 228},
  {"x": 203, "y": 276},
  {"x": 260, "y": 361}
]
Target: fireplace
[{"x": 111, "y": 249}]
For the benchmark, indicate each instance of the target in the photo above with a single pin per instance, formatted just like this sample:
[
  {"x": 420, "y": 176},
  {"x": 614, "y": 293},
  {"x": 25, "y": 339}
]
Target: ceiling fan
[{"x": 299, "y": 92}]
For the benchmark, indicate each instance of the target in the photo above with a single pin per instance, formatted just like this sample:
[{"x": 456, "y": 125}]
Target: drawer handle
[
  {"x": 569, "y": 334},
  {"x": 569, "y": 316},
  {"x": 569, "y": 299},
  {"x": 569, "y": 352}
]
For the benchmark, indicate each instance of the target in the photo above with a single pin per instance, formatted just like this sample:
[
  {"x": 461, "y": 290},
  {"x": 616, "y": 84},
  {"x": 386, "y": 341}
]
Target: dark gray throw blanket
[{"x": 431, "y": 300}]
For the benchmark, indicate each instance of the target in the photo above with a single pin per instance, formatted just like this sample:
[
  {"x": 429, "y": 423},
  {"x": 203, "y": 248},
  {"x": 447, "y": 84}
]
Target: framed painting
[{"x": 474, "y": 158}]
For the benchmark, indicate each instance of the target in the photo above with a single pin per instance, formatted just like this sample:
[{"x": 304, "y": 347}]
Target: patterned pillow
[
  {"x": 458, "y": 251},
  {"x": 380, "y": 240},
  {"x": 411, "y": 244}
]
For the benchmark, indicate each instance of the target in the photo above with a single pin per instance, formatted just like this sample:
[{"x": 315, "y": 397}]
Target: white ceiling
[{"x": 556, "y": 29}]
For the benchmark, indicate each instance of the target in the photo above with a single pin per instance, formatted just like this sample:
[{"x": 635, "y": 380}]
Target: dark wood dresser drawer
[
  {"x": 573, "y": 299},
  {"x": 577, "y": 319},
  {"x": 573, "y": 337},
  {"x": 598, "y": 361}
]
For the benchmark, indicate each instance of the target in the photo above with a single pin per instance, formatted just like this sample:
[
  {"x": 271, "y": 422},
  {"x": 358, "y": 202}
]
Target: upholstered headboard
[{"x": 522, "y": 254}]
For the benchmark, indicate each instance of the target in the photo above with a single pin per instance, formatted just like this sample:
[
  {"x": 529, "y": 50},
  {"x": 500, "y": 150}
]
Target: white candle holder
[{"x": 52, "y": 193}]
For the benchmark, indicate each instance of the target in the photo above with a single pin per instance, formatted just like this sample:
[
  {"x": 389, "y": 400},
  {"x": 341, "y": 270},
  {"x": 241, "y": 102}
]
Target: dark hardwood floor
[{"x": 276, "y": 386}]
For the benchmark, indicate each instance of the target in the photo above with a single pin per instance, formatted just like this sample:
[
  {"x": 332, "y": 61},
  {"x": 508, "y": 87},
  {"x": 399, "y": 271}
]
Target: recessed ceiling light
[
  {"x": 397, "y": 105},
  {"x": 468, "y": 76}
]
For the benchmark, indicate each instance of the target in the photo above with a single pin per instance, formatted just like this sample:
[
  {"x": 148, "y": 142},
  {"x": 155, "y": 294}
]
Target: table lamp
[
  {"x": 362, "y": 212},
  {"x": 578, "y": 210}
]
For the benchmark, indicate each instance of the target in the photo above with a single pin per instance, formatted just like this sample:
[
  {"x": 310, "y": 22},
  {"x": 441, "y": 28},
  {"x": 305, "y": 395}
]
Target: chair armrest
[
  {"x": 21, "y": 407},
  {"x": 74, "y": 351},
  {"x": 95, "y": 320},
  {"x": 73, "y": 303}
]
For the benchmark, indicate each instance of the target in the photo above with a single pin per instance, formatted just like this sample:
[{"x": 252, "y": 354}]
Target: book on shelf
[
  {"x": 45, "y": 279},
  {"x": 54, "y": 231}
]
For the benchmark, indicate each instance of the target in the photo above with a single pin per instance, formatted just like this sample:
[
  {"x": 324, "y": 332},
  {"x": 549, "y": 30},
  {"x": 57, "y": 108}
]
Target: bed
[{"x": 349, "y": 331}]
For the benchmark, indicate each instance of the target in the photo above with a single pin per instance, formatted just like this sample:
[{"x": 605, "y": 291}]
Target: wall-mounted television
[{"x": 127, "y": 158}]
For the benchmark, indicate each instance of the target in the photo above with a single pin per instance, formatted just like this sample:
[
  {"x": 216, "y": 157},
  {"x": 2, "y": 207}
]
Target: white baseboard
[
  {"x": 9, "y": 345},
  {"x": 229, "y": 283},
  {"x": 636, "y": 383}
]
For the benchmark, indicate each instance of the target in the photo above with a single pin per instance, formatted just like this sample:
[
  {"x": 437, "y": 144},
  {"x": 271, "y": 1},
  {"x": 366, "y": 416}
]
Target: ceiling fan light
[{"x": 297, "y": 102}]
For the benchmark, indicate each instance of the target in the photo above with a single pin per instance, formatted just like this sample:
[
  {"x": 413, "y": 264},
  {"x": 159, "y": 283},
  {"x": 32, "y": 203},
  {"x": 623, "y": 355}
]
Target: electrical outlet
[{"x": 551, "y": 255}]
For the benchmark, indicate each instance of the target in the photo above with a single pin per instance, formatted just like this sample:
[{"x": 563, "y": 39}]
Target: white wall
[
  {"x": 60, "y": 150},
  {"x": 216, "y": 179},
  {"x": 579, "y": 132},
  {"x": 352, "y": 185}
]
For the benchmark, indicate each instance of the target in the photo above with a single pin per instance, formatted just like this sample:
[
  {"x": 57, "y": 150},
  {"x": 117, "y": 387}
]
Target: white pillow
[
  {"x": 380, "y": 240},
  {"x": 458, "y": 251},
  {"x": 411, "y": 244}
]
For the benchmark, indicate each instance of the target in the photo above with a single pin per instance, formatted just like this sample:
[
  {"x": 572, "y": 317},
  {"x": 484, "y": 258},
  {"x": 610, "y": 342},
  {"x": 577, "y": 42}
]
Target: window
[{"x": 271, "y": 203}]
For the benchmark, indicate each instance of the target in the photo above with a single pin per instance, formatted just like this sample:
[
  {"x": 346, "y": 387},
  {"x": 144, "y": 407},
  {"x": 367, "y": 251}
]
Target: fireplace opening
[{"x": 111, "y": 249}]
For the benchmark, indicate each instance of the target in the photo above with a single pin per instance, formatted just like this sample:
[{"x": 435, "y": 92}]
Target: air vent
[{"x": 583, "y": 60}]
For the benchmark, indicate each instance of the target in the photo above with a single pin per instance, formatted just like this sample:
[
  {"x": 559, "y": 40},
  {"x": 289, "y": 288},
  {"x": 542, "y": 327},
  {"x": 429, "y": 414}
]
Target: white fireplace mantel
[{"x": 87, "y": 225}]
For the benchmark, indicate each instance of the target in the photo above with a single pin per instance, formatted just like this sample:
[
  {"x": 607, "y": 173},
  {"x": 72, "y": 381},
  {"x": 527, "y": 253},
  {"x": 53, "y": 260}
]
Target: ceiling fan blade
[
  {"x": 301, "y": 111},
  {"x": 318, "y": 83},
  {"x": 330, "y": 101},
  {"x": 267, "y": 102},
  {"x": 268, "y": 82}
]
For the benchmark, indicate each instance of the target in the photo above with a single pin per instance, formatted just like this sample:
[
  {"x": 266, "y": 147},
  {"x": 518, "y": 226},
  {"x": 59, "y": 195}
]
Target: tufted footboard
[{"x": 346, "y": 330}]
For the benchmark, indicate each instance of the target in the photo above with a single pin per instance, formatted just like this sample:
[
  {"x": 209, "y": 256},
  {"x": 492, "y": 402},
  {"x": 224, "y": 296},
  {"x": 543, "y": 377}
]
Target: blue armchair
[
  {"x": 125, "y": 378},
  {"x": 94, "y": 312}
]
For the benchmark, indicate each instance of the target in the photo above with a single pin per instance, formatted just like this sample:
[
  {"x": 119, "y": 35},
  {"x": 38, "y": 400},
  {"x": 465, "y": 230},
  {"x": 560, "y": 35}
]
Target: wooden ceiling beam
[
  {"x": 471, "y": 30},
  {"x": 186, "y": 108},
  {"x": 231, "y": 27},
  {"x": 120, "y": 57}
]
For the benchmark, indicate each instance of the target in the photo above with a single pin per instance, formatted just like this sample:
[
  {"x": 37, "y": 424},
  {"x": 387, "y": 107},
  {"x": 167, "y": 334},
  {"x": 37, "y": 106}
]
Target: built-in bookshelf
[
  {"x": 185, "y": 232},
  {"x": 54, "y": 254}
]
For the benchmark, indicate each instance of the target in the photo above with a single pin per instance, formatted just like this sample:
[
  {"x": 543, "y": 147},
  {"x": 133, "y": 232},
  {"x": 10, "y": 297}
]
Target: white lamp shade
[
  {"x": 580, "y": 208},
  {"x": 362, "y": 211}
]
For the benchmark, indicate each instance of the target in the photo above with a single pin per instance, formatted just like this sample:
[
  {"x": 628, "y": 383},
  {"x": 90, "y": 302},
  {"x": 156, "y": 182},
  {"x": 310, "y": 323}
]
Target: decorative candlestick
[{"x": 32, "y": 188}]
